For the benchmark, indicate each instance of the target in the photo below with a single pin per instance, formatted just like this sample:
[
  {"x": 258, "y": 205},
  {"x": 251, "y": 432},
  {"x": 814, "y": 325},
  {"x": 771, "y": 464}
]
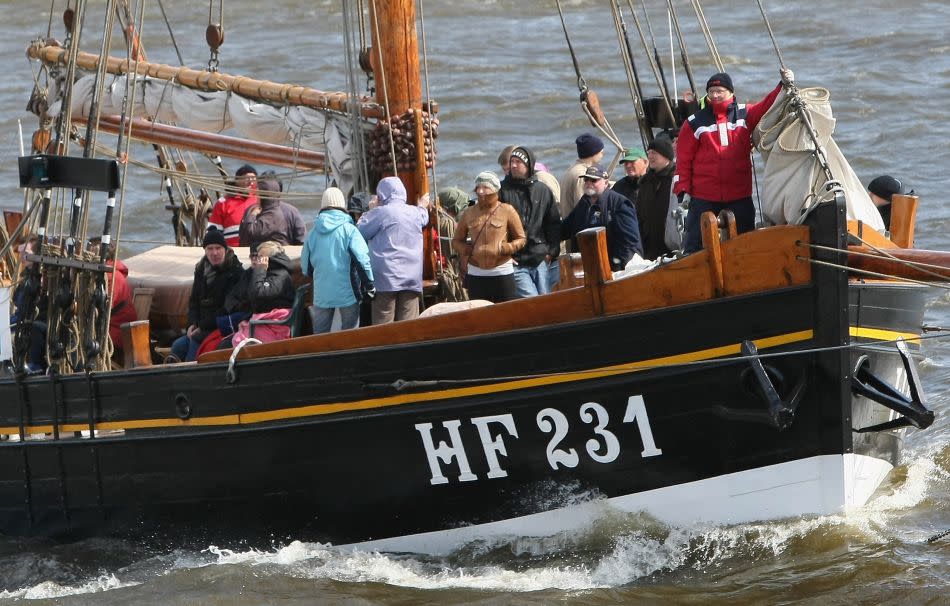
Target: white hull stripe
[{"x": 817, "y": 486}]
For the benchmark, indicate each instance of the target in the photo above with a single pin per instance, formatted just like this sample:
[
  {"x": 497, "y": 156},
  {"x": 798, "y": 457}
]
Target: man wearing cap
[
  {"x": 229, "y": 210},
  {"x": 634, "y": 163},
  {"x": 337, "y": 257},
  {"x": 393, "y": 232},
  {"x": 540, "y": 219},
  {"x": 882, "y": 190},
  {"x": 600, "y": 206},
  {"x": 655, "y": 197},
  {"x": 215, "y": 275},
  {"x": 590, "y": 151},
  {"x": 713, "y": 156}
]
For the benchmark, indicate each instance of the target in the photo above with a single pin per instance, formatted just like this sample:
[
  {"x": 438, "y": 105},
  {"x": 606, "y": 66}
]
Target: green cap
[{"x": 633, "y": 154}]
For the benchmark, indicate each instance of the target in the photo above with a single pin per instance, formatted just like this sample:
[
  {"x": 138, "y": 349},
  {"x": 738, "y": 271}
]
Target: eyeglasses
[{"x": 591, "y": 179}]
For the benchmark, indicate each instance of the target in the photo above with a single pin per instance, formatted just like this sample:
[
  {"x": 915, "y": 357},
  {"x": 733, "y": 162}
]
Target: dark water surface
[{"x": 502, "y": 74}]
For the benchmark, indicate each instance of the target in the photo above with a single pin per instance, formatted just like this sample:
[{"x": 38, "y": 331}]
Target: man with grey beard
[{"x": 600, "y": 206}]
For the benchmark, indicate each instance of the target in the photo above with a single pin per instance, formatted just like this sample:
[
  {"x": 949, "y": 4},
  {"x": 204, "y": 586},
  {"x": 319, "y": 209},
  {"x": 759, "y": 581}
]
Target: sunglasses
[{"x": 591, "y": 179}]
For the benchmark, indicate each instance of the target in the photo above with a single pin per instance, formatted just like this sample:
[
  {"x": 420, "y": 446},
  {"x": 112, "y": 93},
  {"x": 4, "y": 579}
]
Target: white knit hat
[{"x": 333, "y": 198}]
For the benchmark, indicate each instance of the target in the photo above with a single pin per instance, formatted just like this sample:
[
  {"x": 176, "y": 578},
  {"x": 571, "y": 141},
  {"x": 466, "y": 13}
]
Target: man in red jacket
[
  {"x": 228, "y": 211},
  {"x": 713, "y": 156}
]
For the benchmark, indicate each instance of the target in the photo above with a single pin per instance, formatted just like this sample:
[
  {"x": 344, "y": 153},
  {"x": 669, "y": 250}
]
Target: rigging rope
[
  {"x": 357, "y": 137},
  {"x": 168, "y": 25},
  {"x": 655, "y": 65},
  {"x": 768, "y": 26},
  {"x": 707, "y": 34}
]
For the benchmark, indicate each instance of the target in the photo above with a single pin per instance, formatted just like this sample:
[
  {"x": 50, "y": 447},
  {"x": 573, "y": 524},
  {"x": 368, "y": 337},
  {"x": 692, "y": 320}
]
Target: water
[{"x": 502, "y": 75}]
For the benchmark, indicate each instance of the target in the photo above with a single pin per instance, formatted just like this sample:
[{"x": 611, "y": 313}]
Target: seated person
[
  {"x": 262, "y": 288},
  {"x": 215, "y": 275}
]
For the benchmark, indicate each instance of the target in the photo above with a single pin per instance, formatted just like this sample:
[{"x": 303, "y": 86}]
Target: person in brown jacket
[{"x": 487, "y": 235}]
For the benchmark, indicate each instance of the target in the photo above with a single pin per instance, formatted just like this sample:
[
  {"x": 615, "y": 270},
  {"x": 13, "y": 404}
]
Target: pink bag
[{"x": 265, "y": 333}]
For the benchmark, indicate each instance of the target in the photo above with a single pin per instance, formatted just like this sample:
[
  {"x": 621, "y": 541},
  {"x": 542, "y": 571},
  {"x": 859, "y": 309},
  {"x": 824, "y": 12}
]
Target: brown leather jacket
[{"x": 491, "y": 244}]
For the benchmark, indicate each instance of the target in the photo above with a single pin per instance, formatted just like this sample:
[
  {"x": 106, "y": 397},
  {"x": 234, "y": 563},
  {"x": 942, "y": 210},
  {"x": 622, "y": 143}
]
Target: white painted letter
[
  {"x": 445, "y": 452},
  {"x": 494, "y": 446},
  {"x": 637, "y": 411}
]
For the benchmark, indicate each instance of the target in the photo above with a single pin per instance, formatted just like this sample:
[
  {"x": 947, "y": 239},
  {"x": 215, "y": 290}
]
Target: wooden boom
[
  {"x": 212, "y": 143},
  {"x": 931, "y": 265},
  {"x": 263, "y": 90}
]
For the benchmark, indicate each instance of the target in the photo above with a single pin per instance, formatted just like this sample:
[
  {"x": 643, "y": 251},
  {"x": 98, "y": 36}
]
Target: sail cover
[
  {"x": 794, "y": 179},
  {"x": 216, "y": 112}
]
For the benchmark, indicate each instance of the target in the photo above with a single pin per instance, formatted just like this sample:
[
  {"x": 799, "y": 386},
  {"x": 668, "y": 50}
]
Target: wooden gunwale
[{"x": 686, "y": 280}]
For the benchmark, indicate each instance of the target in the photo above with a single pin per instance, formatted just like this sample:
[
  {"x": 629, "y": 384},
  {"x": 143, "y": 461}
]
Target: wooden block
[{"x": 135, "y": 344}]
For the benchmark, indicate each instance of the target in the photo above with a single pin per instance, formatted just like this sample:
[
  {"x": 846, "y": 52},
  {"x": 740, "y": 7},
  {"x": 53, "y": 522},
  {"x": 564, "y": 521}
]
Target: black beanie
[
  {"x": 885, "y": 187},
  {"x": 662, "y": 146},
  {"x": 588, "y": 145},
  {"x": 214, "y": 236},
  {"x": 721, "y": 79}
]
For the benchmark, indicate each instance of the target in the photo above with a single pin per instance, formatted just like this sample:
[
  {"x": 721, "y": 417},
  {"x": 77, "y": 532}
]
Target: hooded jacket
[
  {"x": 210, "y": 288},
  {"x": 713, "y": 150},
  {"x": 393, "y": 233},
  {"x": 539, "y": 213},
  {"x": 332, "y": 246},
  {"x": 277, "y": 221}
]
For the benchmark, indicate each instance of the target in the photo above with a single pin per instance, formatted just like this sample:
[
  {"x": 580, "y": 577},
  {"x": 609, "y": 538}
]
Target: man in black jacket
[
  {"x": 653, "y": 200},
  {"x": 600, "y": 206},
  {"x": 541, "y": 220},
  {"x": 215, "y": 275}
]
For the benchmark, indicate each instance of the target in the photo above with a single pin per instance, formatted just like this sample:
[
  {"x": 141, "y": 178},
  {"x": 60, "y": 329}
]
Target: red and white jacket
[
  {"x": 713, "y": 150},
  {"x": 227, "y": 214}
]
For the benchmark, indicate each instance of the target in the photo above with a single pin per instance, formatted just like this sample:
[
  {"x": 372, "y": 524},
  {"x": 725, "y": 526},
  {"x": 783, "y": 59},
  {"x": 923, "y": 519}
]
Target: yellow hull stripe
[
  {"x": 413, "y": 398},
  {"x": 878, "y": 334}
]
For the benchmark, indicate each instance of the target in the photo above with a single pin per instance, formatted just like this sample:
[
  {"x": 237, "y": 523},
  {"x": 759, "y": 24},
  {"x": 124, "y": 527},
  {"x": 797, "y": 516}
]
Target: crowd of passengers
[{"x": 502, "y": 237}]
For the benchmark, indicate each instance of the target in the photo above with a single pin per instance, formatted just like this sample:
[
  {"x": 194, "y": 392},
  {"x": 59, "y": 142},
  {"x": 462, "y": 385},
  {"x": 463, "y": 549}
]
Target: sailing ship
[{"x": 769, "y": 375}]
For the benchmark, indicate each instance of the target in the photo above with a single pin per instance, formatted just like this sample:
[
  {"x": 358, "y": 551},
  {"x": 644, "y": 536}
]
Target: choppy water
[{"x": 502, "y": 75}]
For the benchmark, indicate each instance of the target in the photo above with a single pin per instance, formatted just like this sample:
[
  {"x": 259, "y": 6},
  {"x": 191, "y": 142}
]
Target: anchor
[
  {"x": 912, "y": 409},
  {"x": 780, "y": 413}
]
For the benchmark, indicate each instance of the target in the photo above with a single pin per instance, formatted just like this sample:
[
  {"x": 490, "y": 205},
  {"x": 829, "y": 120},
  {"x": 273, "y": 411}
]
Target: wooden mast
[{"x": 393, "y": 25}]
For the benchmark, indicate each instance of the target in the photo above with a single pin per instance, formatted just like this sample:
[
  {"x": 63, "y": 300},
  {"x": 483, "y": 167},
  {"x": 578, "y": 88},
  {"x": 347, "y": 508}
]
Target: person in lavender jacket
[{"x": 393, "y": 232}]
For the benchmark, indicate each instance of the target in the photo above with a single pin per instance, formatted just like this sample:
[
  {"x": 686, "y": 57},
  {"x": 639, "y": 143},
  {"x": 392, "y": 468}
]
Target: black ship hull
[{"x": 427, "y": 445}]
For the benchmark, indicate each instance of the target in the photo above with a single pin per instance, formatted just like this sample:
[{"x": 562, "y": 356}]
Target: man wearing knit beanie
[
  {"x": 590, "y": 150},
  {"x": 713, "y": 156},
  {"x": 337, "y": 257},
  {"x": 540, "y": 219},
  {"x": 655, "y": 201},
  {"x": 216, "y": 274}
]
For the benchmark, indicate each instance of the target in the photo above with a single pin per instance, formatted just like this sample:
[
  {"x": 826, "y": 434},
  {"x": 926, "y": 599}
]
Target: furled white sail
[
  {"x": 794, "y": 179},
  {"x": 216, "y": 112}
]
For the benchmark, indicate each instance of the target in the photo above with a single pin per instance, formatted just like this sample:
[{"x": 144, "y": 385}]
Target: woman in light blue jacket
[{"x": 337, "y": 257}]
